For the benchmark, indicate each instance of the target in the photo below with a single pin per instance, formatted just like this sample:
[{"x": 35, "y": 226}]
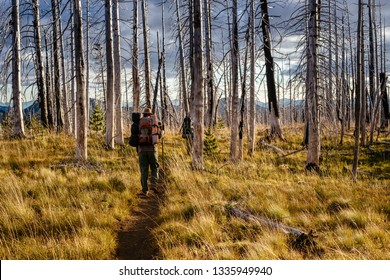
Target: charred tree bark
[
  {"x": 135, "y": 72},
  {"x": 81, "y": 106},
  {"x": 65, "y": 100},
  {"x": 18, "y": 125},
  {"x": 252, "y": 105},
  {"x": 209, "y": 65},
  {"x": 312, "y": 115},
  {"x": 110, "y": 113},
  {"x": 146, "y": 55},
  {"x": 49, "y": 92},
  {"x": 57, "y": 63},
  {"x": 359, "y": 89},
  {"x": 40, "y": 70},
  {"x": 273, "y": 106},
  {"x": 197, "y": 158},
  {"x": 182, "y": 62},
  {"x": 118, "y": 81},
  {"x": 234, "y": 112}
]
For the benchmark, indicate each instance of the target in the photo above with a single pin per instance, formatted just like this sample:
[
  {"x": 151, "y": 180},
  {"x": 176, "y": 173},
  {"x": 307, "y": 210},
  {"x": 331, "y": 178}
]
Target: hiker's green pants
[{"x": 147, "y": 159}]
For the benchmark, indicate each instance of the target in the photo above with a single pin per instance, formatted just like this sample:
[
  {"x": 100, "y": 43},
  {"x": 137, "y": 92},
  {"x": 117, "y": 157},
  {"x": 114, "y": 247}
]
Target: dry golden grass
[
  {"x": 54, "y": 208},
  {"x": 351, "y": 221}
]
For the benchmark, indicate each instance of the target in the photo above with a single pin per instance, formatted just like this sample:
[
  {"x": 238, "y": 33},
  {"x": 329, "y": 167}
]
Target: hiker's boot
[
  {"x": 143, "y": 194},
  {"x": 153, "y": 188}
]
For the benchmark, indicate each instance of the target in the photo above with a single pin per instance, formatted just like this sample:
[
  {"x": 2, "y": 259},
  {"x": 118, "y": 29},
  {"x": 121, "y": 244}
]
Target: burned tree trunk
[
  {"x": 273, "y": 106},
  {"x": 135, "y": 72},
  {"x": 18, "y": 125},
  {"x": 110, "y": 114},
  {"x": 312, "y": 115},
  {"x": 40, "y": 72},
  {"x": 81, "y": 103},
  {"x": 117, "y": 69},
  {"x": 197, "y": 159}
]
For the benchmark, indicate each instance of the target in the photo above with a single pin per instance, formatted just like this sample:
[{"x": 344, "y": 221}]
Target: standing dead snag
[
  {"x": 18, "y": 126},
  {"x": 312, "y": 113},
  {"x": 270, "y": 74}
]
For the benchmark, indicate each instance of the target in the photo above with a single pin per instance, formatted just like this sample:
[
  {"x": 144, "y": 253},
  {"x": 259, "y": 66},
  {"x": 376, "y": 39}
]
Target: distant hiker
[{"x": 149, "y": 136}]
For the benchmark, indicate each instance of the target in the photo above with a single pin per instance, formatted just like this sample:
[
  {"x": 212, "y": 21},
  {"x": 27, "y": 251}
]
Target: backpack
[
  {"x": 134, "y": 136},
  {"x": 149, "y": 130},
  {"x": 187, "y": 128}
]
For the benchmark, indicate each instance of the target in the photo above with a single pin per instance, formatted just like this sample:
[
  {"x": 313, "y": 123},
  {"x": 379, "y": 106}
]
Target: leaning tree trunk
[
  {"x": 197, "y": 159},
  {"x": 312, "y": 116},
  {"x": 146, "y": 55},
  {"x": 56, "y": 57},
  {"x": 110, "y": 113},
  {"x": 18, "y": 126},
  {"x": 40, "y": 72},
  {"x": 117, "y": 69},
  {"x": 273, "y": 107},
  {"x": 81, "y": 107},
  {"x": 135, "y": 72},
  {"x": 234, "y": 112}
]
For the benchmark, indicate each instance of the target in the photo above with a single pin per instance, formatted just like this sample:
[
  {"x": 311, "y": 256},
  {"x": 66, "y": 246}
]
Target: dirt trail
[{"x": 135, "y": 241}]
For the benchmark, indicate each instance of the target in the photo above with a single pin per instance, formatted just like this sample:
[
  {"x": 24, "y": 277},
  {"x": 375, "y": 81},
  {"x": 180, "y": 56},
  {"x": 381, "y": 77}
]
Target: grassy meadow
[{"x": 54, "y": 208}]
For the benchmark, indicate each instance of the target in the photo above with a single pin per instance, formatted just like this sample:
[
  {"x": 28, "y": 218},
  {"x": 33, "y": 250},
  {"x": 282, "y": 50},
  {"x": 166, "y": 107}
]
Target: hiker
[{"x": 149, "y": 135}]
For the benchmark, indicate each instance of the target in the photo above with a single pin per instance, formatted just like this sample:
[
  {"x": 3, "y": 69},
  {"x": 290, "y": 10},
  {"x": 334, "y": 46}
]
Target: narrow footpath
[{"x": 135, "y": 240}]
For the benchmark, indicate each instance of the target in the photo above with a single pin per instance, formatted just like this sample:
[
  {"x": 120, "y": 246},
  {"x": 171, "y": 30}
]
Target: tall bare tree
[
  {"x": 252, "y": 106},
  {"x": 209, "y": 63},
  {"x": 197, "y": 158},
  {"x": 48, "y": 85},
  {"x": 135, "y": 72},
  {"x": 312, "y": 113},
  {"x": 146, "y": 54},
  {"x": 57, "y": 63},
  {"x": 87, "y": 52},
  {"x": 182, "y": 61},
  {"x": 118, "y": 81},
  {"x": 273, "y": 106},
  {"x": 65, "y": 95},
  {"x": 81, "y": 107},
  {"x": 40, "y": 70},
  {"x": 359, "y": 88},
  {"x": 234, "y": 111},
  {"x": 18, "y": 125},
  {"x": 110, "y": 113}
]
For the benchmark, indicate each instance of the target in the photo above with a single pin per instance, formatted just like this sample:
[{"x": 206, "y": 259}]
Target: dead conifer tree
[
  {"x": 18, "y": 125},
  {"x": 81, "y": 102}
]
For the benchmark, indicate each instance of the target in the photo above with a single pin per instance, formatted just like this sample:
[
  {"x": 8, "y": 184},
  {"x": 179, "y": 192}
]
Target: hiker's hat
[{"x": 147, "y": 111}]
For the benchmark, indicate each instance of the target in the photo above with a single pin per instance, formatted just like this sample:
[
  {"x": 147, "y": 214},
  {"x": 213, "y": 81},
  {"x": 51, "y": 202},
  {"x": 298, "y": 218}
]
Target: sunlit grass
[
  {"x": 54, "y": 208},
  {"x": 350, "y": 220}
]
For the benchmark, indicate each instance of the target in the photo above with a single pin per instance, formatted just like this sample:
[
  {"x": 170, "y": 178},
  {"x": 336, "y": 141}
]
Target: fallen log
[
  {"x": 299, "y": 240},
  {"x": 291, "y": 153},
  {"x": 358, "y": 171},
  {"x": 249, "y": 217},
  {"x": 276, "y": 149}
]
